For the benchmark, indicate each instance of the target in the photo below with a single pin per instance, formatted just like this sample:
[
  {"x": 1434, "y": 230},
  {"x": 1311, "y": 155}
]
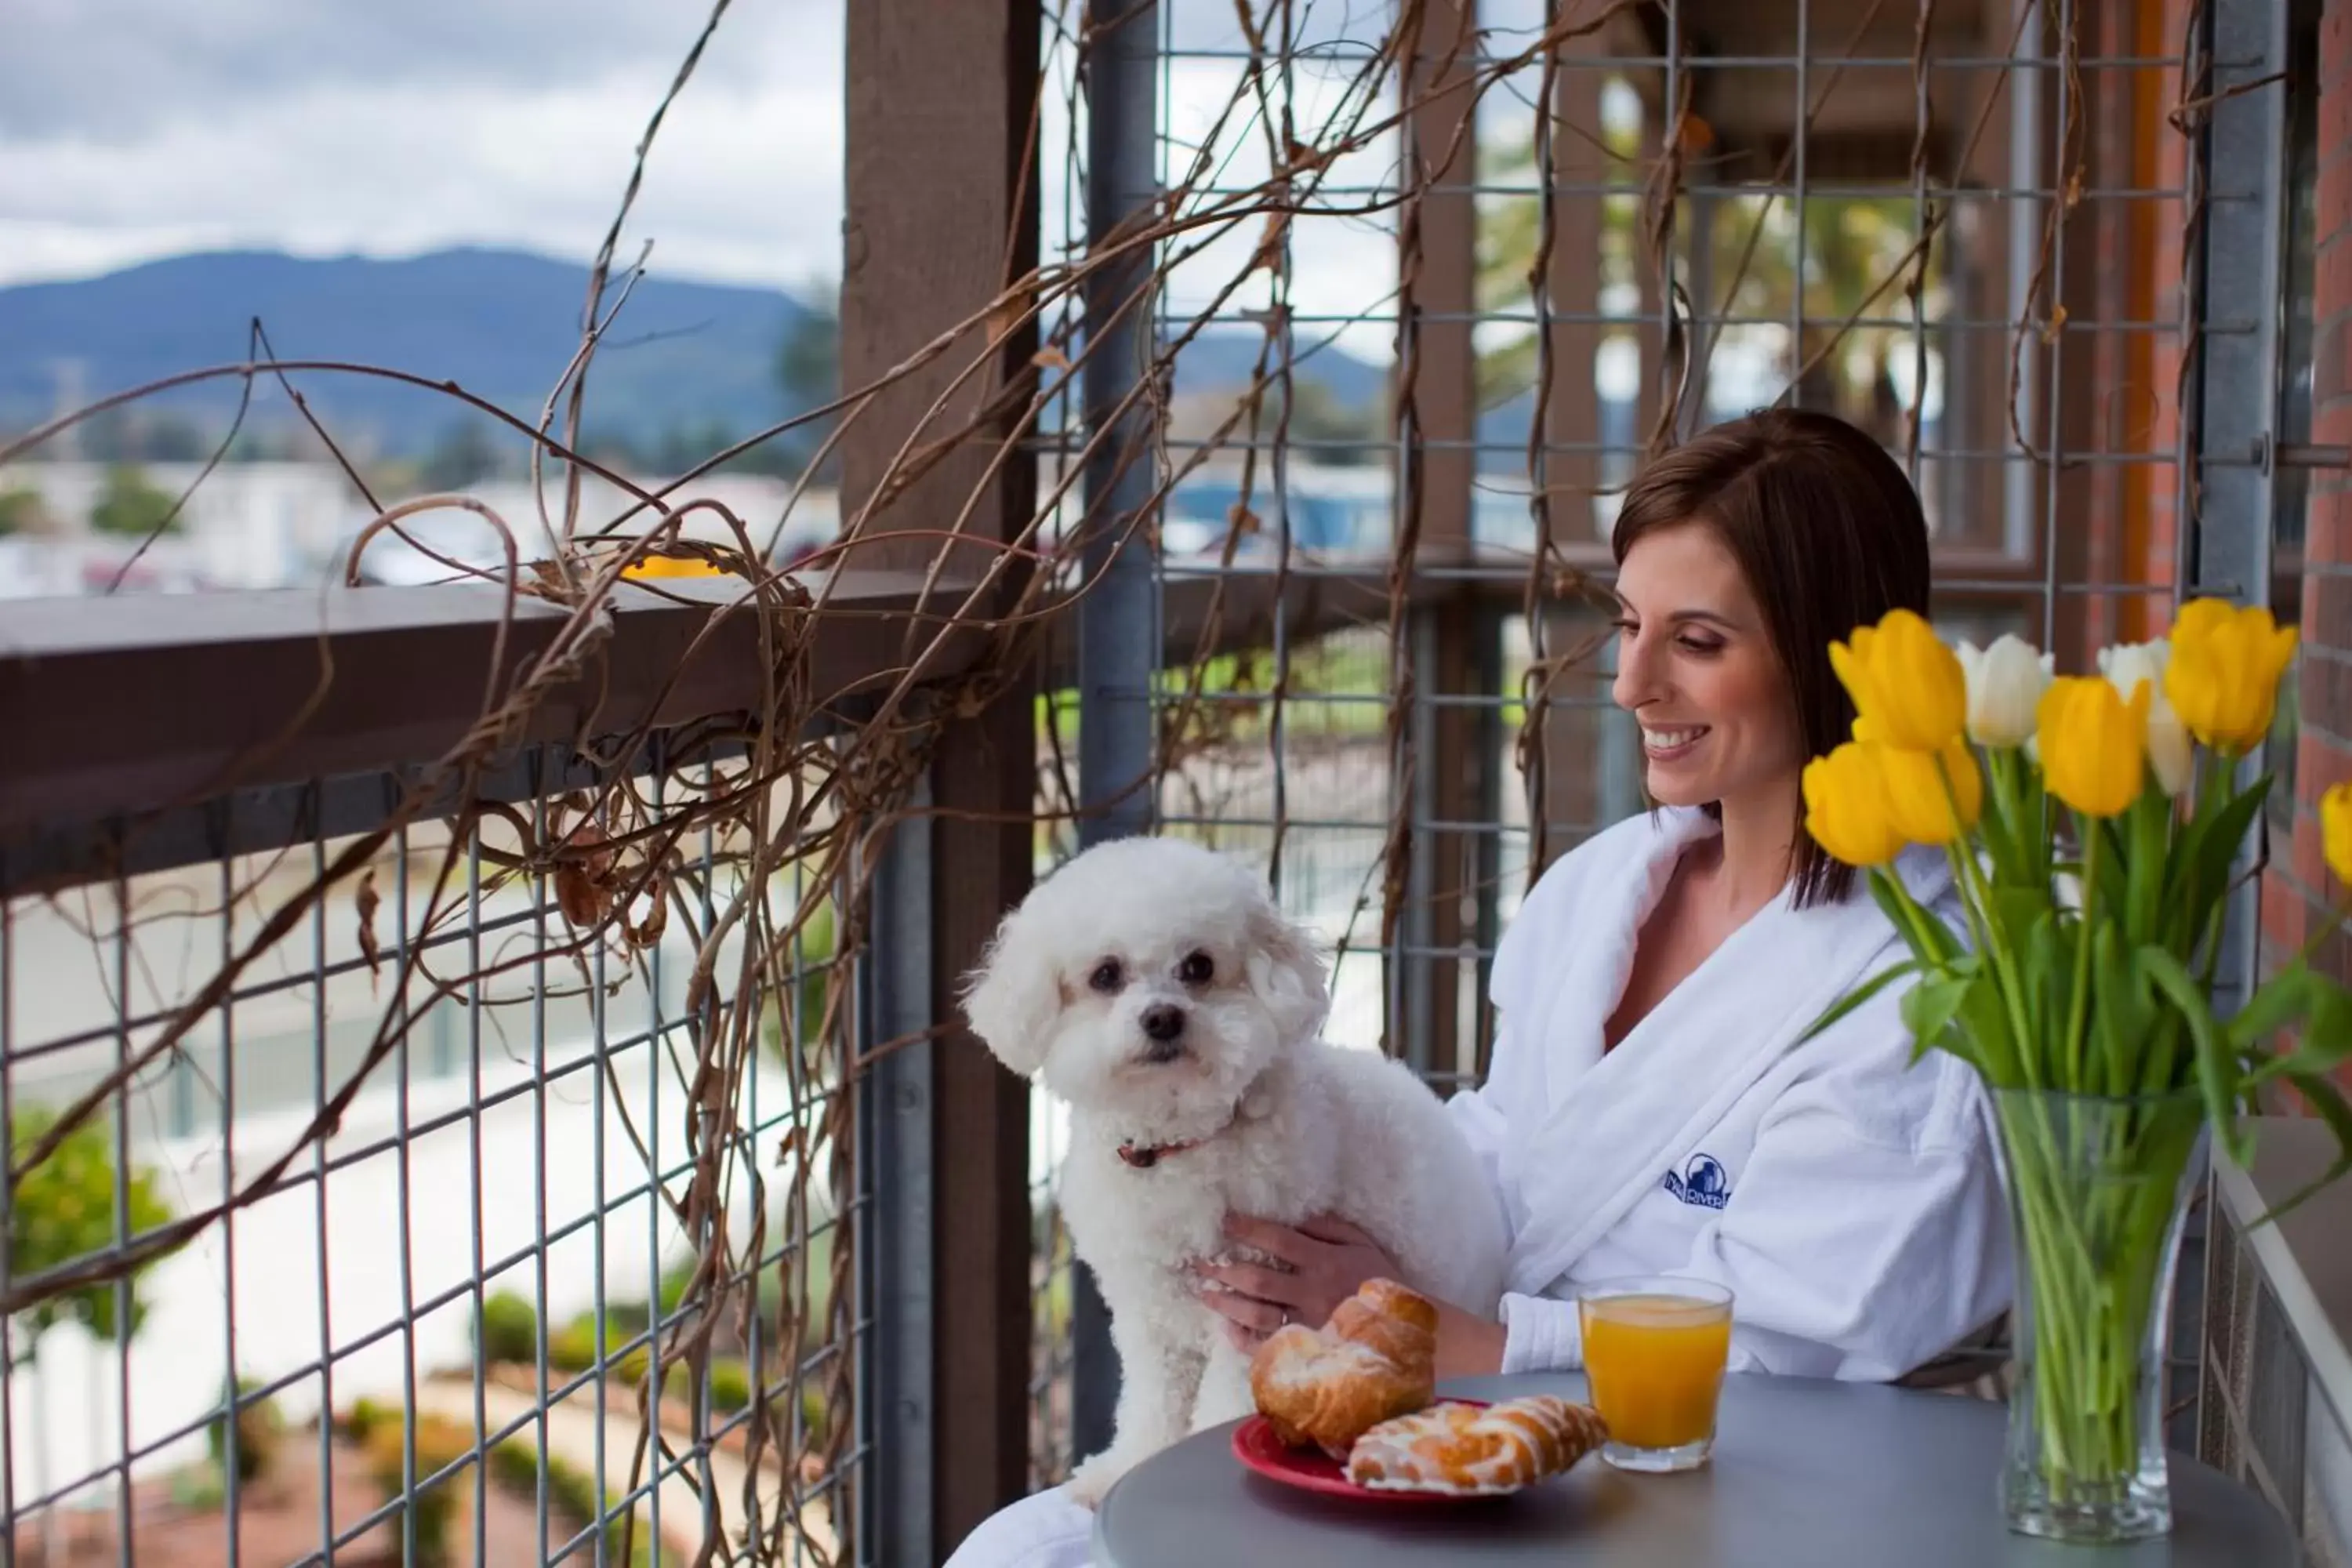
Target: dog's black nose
[{"x": 1163, "y": 1022}]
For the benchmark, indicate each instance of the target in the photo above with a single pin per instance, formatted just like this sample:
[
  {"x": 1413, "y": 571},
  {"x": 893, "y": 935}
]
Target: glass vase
[{"x": 2098, "y": 1192}]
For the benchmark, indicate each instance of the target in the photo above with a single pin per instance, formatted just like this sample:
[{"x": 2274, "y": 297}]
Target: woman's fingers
[
  {"x": 1283, "y": 1290},
  {"x": 1280, "y": 1241},
  {"x": 1261, "y": 1317},
  {"x": 1332, "y": 1228}
]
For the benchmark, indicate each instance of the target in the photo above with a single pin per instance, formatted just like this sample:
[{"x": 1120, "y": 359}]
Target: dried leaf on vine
[
  {"x": 2054, "y": 325},
  {"x": 1271, "y": 241},
  {"x": 656, "y": 920},
  {"x": 581, "y": 889},
  {"x": 367, "y": 898}
]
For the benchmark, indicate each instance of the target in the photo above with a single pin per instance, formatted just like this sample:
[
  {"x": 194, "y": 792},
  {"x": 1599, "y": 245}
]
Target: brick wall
[{"x": 2297, "y": 888}]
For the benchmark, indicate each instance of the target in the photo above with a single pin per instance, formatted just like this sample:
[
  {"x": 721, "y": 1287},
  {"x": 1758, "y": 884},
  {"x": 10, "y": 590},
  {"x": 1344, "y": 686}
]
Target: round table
[{"x": 1805, "y": 1472}]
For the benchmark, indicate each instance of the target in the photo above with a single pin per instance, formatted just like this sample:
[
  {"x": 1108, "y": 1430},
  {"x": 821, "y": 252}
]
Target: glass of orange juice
[{"x": 1654, "y": 1355}]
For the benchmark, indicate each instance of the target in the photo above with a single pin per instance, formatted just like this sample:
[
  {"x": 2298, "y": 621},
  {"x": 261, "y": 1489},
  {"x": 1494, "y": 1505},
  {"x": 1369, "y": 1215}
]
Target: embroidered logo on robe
[{"x": 1702, "y": 1183}]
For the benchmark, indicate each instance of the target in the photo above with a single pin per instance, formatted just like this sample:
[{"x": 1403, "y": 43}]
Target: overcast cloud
[
  {"x": 136, "y": 129},
  {"x": 132, "y": 129}
]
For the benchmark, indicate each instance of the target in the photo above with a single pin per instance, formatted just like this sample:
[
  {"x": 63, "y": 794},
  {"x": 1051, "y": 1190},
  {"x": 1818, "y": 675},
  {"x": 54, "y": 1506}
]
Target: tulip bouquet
[{"x": 2094, "y": 825}]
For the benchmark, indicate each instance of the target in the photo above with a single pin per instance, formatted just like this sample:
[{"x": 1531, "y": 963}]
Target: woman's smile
[{"x": 1664, "y": 746}]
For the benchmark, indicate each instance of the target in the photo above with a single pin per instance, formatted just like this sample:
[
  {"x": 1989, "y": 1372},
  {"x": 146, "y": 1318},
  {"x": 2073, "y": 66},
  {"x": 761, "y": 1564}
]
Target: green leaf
[
  {"x": 2124, "y": 1022},
  {"x": 1918, "y": 926},
  {"x": 2209, "y": 847},
  {"x": 2276, "y": 1004},
  {"x": 2215, "y": 1068},
  {"x": 1858, "y": 996},
  {"x": 2328, "y": 1104},
  {"x": 2325, "y": 1041},
  {"x": 1930, "y": 1007},
  {"x": 2146, "y": 863}
]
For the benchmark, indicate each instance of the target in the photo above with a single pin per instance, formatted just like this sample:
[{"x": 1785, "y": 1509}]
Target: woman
[{"x": 1650, "y": 1109}]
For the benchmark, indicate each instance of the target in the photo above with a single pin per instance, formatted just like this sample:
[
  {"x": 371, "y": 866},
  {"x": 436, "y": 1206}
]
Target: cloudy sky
[
  {"x": 134, "y": 129},
  {"x": 131, "y": 128}
]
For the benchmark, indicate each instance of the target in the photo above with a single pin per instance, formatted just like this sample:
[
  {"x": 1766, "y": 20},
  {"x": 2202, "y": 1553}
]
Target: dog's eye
[
  {"x": 1106, "y": 976},
  {"x": 1196, "y": 969}
]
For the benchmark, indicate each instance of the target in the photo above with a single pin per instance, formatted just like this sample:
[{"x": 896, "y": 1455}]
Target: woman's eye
[
  {"x": 1196, "y": 969},
  {"x": 1700, "y": 646},
  {"x": 1106, "y": 976}
]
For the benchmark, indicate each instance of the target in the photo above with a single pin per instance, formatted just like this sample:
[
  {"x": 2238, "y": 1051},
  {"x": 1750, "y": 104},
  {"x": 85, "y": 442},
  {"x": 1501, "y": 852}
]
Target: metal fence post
[
  {"x": 2236, "y": 294},
  {"x": 1119, "y": 618},
  {"x": 895, "y": 1220}
]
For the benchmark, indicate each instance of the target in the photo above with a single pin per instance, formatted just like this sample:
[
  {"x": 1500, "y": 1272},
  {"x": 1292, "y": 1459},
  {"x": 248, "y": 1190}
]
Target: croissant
[
  {"x": 1375, "y": 1359},
  {"x": 1470, "y": 1450}
]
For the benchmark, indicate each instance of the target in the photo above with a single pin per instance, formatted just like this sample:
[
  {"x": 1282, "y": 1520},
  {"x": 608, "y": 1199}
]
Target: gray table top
[{"x": 1804, "y": 1473}]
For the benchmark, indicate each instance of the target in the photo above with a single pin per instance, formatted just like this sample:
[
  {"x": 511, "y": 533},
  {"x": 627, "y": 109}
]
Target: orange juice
[{"x": 1655, "y": 1361}]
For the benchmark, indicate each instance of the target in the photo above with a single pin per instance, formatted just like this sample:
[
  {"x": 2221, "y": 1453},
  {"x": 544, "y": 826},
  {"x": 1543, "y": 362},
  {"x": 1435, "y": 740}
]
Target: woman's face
[{"x": 1696, "y": 670}]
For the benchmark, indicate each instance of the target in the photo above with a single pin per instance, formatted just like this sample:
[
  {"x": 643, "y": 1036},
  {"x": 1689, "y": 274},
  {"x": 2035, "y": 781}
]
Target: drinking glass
[{"x": 1655, "y": 1350}]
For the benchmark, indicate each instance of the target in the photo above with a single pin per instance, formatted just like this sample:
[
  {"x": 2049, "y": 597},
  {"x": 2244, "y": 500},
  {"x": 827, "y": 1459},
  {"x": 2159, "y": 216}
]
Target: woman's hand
[{"x": 1316, "y": 1266}]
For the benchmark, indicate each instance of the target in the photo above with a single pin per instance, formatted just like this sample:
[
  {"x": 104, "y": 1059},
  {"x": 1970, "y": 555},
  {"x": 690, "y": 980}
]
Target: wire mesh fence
[
  {"x": 1258, "y": 382},
  {"x": 1503, "y": 251},
  {"x": 491, "y": 1259}
]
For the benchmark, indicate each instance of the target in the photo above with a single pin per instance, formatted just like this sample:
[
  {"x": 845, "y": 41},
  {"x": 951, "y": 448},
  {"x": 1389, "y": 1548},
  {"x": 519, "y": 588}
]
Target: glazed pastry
[
  {"x": 1375, "y": 1359},
  {"x": 1471, "y": 1450}
]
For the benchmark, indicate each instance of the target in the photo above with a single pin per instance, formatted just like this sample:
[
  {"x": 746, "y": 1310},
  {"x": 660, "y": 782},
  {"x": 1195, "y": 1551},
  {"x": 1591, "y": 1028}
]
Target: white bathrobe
[{"x": 1847, "y": 1197}]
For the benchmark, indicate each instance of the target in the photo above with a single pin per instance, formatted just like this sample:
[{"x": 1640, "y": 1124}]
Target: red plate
[{"x": 1311, "y": 1469}]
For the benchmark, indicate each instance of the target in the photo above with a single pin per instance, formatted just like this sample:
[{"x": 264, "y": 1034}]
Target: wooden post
[
  {"x": 1448, "y": 640},
  {"x": 942, "y": 216}
]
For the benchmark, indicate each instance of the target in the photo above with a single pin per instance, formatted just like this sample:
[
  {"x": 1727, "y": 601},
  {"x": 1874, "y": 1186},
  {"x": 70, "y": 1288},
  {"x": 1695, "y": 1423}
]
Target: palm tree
[{"x": 1853, "y": 247}]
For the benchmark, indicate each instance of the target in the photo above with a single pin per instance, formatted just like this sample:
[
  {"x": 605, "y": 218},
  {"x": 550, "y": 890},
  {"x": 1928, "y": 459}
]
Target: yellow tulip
[
  {"x": 1846, "y": 808},
  {"x": 2093, "y": 743},
  {"x": 1917, "y": 802},
  {"x": 2335, "y": 830},
  {"x": 2222, "y": 676},
  {"x": 1905, "y": 681}
]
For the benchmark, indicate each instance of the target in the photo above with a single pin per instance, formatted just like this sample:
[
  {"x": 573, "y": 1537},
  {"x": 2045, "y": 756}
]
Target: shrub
[
  {"x": 134, "y": 508},
  {"x": 816, "y": 1418},
  {"x": 365, "y": 1417},
  {"x": 730, "y": 1384},
  {"x": 434, "y": 1506},
  {"x": 572, "y": 1347},
  {"x": 64, "y": 1211},
  {"x": 515, "y": 1465},
  {"x": 508, "y": 1330},
  {"x": 259, "y": 1428}
]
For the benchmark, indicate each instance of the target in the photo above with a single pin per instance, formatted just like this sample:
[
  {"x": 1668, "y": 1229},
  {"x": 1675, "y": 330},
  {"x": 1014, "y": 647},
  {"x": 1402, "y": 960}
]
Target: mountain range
[{"x": 684, "y": 355}]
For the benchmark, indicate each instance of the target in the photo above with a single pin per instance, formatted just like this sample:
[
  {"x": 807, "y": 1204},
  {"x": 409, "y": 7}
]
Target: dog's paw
[{"x": 1092, "y": 1481}]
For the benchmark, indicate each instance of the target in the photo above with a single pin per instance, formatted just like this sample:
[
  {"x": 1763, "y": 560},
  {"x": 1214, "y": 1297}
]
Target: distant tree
[
  {"x": 1345, "y": 433},
  {"x": 808, "y": 362},
  {"x": 169, "y": 438},
  {"x": 808, "y": 371},
  {"x": 132, "y": 507},
  {"x": 465, "y": 455},
  {"x": 22, "y": 511},
  {"x": 64, "y": 1210}
]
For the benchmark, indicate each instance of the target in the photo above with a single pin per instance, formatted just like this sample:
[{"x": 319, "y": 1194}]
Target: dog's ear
[
  {"x": 1287, "y": 973},
  {"x": 1012, "y": 998}
]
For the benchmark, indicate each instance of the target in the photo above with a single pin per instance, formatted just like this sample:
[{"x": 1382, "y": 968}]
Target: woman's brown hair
[{"x": 1828, "y": 532}]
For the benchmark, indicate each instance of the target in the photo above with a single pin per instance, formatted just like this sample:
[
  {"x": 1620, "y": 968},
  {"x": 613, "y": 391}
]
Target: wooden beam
[
  {"x": 1438, "y": 362},
  {"x": 942, "y": 217}
]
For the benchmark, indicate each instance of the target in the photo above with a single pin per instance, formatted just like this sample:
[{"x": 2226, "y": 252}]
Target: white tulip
[
  {"x": 2005, "y": 686},
  {"x": 2169, "y": 748}
]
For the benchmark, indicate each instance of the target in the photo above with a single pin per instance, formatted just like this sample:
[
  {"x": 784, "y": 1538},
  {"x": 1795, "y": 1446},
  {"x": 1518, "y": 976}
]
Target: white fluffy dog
[{"x": 1154, "y": 986}]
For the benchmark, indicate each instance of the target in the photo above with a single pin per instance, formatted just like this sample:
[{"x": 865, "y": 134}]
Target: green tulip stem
[
  {"x": 2078, "y": 1005},
  {"x": 2094, "y": 1205}
]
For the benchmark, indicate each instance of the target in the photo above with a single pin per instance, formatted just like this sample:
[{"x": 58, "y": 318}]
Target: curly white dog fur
[{"x": 1153, "y": 985}]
